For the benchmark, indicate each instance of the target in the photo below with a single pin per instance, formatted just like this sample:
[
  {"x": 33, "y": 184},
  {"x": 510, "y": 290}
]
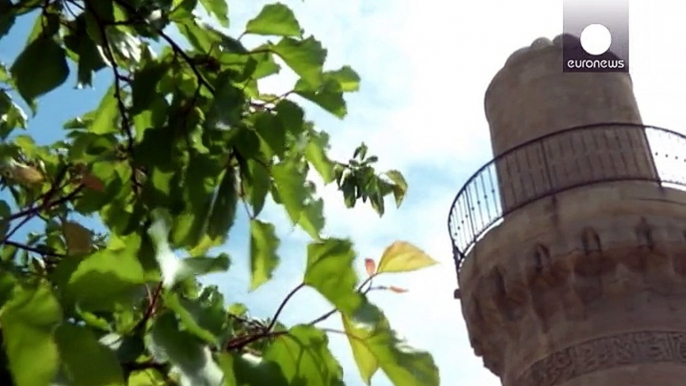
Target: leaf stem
[{"x": 359, "y": 289}]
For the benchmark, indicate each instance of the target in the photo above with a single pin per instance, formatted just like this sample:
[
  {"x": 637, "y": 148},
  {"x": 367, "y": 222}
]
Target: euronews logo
[
  {"x": 595, "y": 40},
  {"x": 596, "y": 36}
]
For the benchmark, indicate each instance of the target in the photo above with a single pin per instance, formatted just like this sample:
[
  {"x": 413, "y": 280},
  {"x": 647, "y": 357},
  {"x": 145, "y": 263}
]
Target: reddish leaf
[
  {"x": 397, "y": 290},
  {"x": 370, "y": 266},
  {"x": 92, "y": 182}
]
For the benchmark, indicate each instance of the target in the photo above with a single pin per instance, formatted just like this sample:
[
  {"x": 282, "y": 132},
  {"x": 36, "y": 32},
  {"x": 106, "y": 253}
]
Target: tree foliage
[{"x": 182, "y": 140}]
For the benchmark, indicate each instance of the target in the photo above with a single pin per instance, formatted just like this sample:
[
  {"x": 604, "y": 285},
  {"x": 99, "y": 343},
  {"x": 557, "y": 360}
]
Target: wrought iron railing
[{"x": 557, "y": 162}]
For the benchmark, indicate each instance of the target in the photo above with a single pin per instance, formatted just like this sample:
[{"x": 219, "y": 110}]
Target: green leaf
[
  {"x": 348, "y": 80},
  {"x": 28, "y": 320},
  {"x": 367, "y": 364},
  {"x": 290, "y": 183},
  {"x": 291, "y": 115},
  {"x": 204, "y": 321},
  {"x": 315, "y": 152},
  {"x": 274, "y": 19},
  {"x": 115, "y": 273},
  {"x": 263, "y": 257},
  {"x": 210, "y": 217},
  {"x": 330, "y": 271},
  {"x": 201, "y": 36},
  {"x": 90, "y": 58},
  {"x": 148, "y": 377},
  {"x": 328, "y": 96},
  {"x": 50, "y": 57},
  {"x": 144, "y": 86},
  {"x": 404, "y": 257},
  {"x": 197, "y": 266},
  {"x": 227, "y": 106},
  {"x": 87, "y": 362},
  {"x": 304, "y": 357},
  {"x": 312, "y": 218},
  {"x": 256, "y": 184},
  {"x": 183, "y": 350},
  {"x": 7, "y": 285},
  {"x": 247, "y": 370},
  {"x": 305, "y": 57},
  {"x": 222, "y": 212},
  {"x": 377, "y": 345},
  {"x": 272, "y": 133},
  {"x": 220, "y": 9},
  {"x": 6, "y": 17},
  {"x": 399, "y": 187},
  {"x": 106, "y": 115}
]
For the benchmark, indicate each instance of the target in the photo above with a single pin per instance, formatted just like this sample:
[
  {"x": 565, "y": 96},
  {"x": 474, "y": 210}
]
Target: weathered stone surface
[{"x": 585, "y": 287}]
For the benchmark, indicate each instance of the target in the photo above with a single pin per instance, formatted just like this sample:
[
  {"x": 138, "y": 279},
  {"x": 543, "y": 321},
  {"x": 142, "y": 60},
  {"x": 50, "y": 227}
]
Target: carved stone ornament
[{"x": 607, "y": 352}]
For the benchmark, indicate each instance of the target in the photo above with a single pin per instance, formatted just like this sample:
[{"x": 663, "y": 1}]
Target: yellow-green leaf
[
  {"x": 376, "y": 345},
  {"x": 28, "y": 320},
  {"x": 77, "y": 237},
  {"x": 367, "y": 364},
  {"x": 399, "y": 186},
  {"x": 402, "y": 256}
]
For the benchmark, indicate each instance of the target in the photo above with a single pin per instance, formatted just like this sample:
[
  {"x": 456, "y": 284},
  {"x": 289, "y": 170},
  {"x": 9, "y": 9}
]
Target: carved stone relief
[{"x": 604, "y": 353}]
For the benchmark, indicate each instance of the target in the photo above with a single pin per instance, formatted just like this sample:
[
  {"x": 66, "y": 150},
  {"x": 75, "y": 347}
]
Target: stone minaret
[{"x": 572, "y": 251}]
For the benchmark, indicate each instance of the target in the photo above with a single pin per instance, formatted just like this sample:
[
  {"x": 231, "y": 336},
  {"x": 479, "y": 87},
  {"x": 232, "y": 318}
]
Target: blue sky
[{"x": 425, "y": 67}]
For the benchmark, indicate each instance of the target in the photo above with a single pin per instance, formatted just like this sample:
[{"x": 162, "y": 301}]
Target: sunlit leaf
[
  {"x": 248, "y": 369},
  {"x": 115, "y": 273},
  {"x": 105, "y": 119},
  {"x": 304, "y": 356},
  {"x": 330, "y": 271},
  {"x": 315, "y": 152},
  {"x": 305, "y": 57},
  {"x": 290, "y": 183},
  {"x": 404, "y": 257},
  {"x": 348, "y": 80},
  {"x": 219, "y": 8},
  {"x": 312, "y": 218},
  {"x": 399, "y": 187},
  {"x": 28, "y": 320},
  {"x": 376, "y": 345},
  {"x": 274, "y": 19}
]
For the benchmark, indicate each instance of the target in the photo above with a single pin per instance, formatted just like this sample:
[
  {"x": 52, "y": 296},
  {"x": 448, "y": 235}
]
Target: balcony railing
[{"x": 557, "y": 162}]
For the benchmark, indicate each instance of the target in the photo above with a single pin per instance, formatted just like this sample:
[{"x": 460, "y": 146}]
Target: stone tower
[{"x": 571, "y": 250}]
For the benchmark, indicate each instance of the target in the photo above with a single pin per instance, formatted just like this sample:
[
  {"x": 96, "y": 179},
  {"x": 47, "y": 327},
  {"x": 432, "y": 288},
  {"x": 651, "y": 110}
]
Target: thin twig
[
  {"x": 283, "y": 304},
  {"x": 152, "y": 305},
  {"x": 33, "y": 249},
  {"x": 242, "y": 341}
]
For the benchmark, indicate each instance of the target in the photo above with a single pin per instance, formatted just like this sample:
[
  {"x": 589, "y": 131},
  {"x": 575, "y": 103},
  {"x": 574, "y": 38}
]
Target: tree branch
[
  {"x": 33, "y": 249},
  {"x": 359, "y": 289}
]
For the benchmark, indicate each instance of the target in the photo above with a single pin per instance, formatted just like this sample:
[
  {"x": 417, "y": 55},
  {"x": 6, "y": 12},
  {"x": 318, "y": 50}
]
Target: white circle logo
[{"x": 596, "y": 39}]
